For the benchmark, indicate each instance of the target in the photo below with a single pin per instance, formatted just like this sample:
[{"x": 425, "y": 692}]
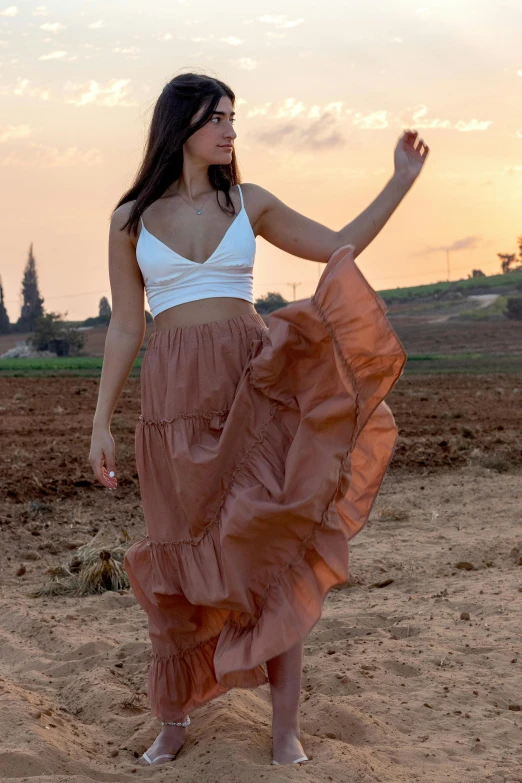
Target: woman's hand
[
  {"x": 409, "y": 159},
  {"x": 103, "y": 451}
]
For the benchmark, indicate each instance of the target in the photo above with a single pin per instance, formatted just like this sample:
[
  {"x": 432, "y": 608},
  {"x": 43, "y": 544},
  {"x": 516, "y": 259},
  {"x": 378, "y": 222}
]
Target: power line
[
  {"x": 61, "y": 296},
  {"x": 397, "y": 277},
  {"x": 294, "y": 286}
]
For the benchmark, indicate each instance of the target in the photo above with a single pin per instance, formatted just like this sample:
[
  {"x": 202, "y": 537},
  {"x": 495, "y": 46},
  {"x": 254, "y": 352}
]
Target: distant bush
[
  {"x": 98, "y": 320},
  {"x": 272, "y": 301},
  {"x": 51, "y": 333},
  {"x": 514, "y": 308},
  {"x": 104, "y": 320}
]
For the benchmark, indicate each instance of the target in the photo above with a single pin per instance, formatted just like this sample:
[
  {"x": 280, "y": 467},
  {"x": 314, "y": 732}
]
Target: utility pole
[{"x": 294, "y": 286}]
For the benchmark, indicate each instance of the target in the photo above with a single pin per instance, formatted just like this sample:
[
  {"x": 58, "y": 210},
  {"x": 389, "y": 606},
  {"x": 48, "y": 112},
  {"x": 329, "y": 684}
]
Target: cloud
[
  {"x": 50, "y": 157},
  {"x": 21, "y": 87},
  {"x": 113, "y": 94},
  {"x": 259, "y": 110},
  {"x": 414, "y": 117},
  {"x": 11, "y": 10},
  {"x": 15, "y": 132},
  {"x": 280, "y": 21},
  {"x": 323, "y": 133},
  {"x": 232, "y": 40},
  {"x": 52, "y": 27},
  {"x": 466, "y": 243},
  {"x": 165, "y": 37},
  {"x": 40, "y": 10},
  {"x": 126, "y": 50},
  {"x": 314, "y": 127},
  {"x": 318, "y": 134},
  {"x": 96, "y": 25},
  {"x": 376, "y": 120},
  {"x": 52, "y": 56},
  {"x": 473, "y": 125},
  {"x": 290, "y": 108},
  {"x": 245, "y": 63}
]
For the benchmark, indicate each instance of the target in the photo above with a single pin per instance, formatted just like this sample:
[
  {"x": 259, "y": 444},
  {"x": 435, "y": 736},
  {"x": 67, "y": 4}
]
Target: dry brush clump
[{"x": 92, "y": 568}]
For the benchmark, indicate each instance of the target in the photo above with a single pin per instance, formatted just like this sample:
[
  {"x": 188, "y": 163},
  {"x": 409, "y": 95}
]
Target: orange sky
[{"x": 324, "y": 91}]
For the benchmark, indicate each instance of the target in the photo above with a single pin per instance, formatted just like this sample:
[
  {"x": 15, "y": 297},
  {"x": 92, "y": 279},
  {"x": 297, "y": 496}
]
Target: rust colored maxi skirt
[{"x": 260, "y": 452}]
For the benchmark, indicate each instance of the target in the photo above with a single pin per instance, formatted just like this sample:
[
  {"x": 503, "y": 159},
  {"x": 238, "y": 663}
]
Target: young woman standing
[{"x": 260, "y": 450}]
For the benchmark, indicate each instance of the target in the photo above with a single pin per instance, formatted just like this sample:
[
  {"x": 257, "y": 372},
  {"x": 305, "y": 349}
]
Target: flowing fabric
[{"x": 260, "y": 452}]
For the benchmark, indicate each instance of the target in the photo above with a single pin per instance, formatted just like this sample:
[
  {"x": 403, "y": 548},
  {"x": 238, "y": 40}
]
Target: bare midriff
[{"x": 218, "y": 308}]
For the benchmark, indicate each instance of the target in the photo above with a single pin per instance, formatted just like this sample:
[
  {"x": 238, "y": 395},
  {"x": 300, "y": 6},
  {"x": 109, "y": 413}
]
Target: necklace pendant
[{"x": 198, "y": 211}]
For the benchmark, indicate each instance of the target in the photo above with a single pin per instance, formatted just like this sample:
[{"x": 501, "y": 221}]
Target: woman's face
[{"x": 213, "y": 143}]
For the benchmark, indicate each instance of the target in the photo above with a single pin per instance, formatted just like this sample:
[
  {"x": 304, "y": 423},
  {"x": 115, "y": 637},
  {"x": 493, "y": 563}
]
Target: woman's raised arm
[{"x": 299, "y": 235}]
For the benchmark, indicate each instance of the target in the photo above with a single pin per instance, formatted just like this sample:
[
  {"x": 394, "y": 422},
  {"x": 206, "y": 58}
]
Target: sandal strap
[{"x": 161, "y": 756}]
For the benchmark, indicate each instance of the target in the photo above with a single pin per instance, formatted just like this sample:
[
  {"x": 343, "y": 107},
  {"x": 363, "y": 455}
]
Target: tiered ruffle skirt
[{"x": 260, "y": 452}]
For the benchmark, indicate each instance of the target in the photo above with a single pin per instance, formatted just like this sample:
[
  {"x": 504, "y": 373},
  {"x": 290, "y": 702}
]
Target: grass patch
[
  {"x": 430, "y": 363},
  {"x": 480, "y": 284},
  {"x": 463, "y": 363},
  {"x": 81, "y": 366},
  {"x": 495, "y": 310}
]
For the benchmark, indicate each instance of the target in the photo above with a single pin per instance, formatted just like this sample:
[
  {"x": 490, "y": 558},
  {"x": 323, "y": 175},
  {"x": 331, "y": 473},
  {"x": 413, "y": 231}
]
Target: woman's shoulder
[
  {"x": 258, "y": 198},
  {"x": 121, "y": 214}
]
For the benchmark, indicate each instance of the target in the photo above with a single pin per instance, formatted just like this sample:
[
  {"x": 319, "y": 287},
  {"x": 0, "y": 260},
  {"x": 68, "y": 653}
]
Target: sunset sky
[{"x": 324, "y": 91}]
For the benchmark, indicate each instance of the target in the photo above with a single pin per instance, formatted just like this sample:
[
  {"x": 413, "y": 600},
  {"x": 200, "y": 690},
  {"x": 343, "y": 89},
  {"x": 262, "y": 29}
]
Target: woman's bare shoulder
[
  {"x": 119, "y": 218},
  {"x": 122, "y": 213},
  {"x": 255, "y": 192},
  {"x": 257, "y": 200}
]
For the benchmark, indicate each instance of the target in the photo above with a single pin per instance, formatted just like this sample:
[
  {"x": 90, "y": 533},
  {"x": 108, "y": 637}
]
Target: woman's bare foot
[
  {"x": 286, "y": 745},
  {"x": 167, "y": 744}
]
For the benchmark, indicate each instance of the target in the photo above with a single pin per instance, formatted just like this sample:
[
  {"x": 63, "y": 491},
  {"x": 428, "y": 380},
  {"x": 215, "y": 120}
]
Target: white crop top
[{"x": 171, "y": 279}]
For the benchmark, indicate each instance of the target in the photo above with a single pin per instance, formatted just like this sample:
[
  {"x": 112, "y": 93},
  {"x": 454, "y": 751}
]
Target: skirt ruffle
[{"x": 253, "y": 486}]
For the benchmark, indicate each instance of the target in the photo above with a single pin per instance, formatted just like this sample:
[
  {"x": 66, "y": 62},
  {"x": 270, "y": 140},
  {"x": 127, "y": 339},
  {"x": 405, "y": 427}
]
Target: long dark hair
[{"x": 170, "y": 127}]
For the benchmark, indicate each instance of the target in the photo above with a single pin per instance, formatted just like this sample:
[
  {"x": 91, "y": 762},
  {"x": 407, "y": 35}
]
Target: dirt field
[
  {"x": 396, "y": 686},
  {"x": 488, "y": 337}
]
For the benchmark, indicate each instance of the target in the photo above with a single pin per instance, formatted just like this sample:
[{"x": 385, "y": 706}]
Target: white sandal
[
  {"x": 296, "y": 761},
  {"x": 162, "y": 756},
  {"x": 170, "y": 756}
]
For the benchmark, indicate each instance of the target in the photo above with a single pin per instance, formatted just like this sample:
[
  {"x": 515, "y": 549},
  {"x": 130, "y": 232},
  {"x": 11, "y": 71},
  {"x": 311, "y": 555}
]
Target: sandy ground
[{"x": 418, "y": 679}]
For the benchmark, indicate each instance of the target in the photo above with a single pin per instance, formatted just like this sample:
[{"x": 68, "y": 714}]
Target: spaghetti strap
[{"x": 241, "y": 195}]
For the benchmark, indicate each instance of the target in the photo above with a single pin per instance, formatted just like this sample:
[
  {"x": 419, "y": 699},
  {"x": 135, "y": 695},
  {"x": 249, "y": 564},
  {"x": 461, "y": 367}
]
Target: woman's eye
[{"x": 232, "y": 119}]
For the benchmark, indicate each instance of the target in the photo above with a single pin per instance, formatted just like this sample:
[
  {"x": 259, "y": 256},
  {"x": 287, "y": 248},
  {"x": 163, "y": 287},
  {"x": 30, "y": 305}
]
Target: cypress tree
[
  {"x": 32, "y": 301},
  {"x": 5, "y": 326},
  {"x": 104, "y": 310}
]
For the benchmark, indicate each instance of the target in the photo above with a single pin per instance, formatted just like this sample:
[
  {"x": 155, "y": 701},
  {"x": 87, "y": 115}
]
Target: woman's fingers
[
  {"x": 109, "y": 476},
  {"x": 103, "y": 463}
]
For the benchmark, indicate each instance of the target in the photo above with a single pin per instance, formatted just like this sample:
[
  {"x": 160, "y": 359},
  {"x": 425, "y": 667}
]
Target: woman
[{"x": 260, "y": 451}]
